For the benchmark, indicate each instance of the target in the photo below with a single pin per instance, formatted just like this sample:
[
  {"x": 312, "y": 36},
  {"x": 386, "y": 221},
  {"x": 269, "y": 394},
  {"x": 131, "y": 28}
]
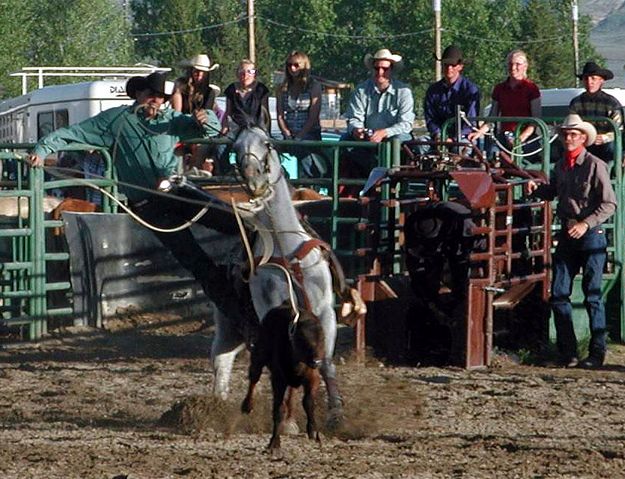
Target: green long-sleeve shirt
[{"x": 141, "y": 149}]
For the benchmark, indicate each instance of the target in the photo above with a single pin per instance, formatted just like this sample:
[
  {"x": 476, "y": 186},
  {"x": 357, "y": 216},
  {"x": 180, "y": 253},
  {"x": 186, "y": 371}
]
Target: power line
[
  {"x": 460, "y": 34},
  {"x": 344, "y": 35},
  {"x": 190, "y": 30},
  {"x": 457, "y": 33}
]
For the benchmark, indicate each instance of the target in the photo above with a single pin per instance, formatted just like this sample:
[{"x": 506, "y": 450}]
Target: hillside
[{"x": 608, "y": 34}]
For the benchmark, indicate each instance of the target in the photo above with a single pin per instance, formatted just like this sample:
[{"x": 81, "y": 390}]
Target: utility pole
[
  {"x": 436, "y": 6},
  {"x": 251, "y": 36},
  {"x": 575, "y": 17}
]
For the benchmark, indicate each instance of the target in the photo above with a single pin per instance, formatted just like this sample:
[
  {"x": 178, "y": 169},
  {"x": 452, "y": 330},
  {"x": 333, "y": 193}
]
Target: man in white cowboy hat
[
  {"x": 381, "y": 107},
  {"x": 581, "y": 183},
  {"x": 453, "y": 91},
  {"x": 594, "y": 102},
  {"x": 141, "y": 139}
]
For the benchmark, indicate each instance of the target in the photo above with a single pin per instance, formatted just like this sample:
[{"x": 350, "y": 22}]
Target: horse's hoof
[
  {"x": 274, "y": 447},
  {"x": 246, "y": 406},
  {"x": 290, "y": 427},
  {"x": 334, "y": 418}
]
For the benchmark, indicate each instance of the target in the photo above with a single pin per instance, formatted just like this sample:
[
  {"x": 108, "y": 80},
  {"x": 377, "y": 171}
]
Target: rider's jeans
[
  {"x": 167, "y": 213},
  {"x": 589, "y": 254}
]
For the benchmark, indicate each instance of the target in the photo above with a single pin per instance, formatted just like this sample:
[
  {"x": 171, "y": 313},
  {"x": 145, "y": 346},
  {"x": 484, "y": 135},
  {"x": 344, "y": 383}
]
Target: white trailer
[{"x": 26, "y": 118}]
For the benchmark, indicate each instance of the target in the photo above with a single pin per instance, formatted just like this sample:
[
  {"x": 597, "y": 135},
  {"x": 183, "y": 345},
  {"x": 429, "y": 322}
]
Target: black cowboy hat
[
  {"x": 591, "y": 68},
  {"x": 452, "y": 55},
  {"x": 155, "y": 82}
]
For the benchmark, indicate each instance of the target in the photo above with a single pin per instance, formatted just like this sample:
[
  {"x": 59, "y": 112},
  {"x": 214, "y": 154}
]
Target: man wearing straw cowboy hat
[
  {"x": 141, "y": 138},
  {"x": 381, "y": 107},
  {"x": 594, "y": 102},
  {"x": 581, "y": 182}
]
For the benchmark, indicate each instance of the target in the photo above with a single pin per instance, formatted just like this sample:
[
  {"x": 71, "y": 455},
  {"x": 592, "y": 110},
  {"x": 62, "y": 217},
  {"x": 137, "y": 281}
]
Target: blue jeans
[{"x": 589, "y": 254}]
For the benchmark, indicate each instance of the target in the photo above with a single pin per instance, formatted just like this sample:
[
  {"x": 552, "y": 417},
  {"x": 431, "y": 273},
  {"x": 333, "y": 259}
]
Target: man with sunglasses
[
  {"x": 380, "y": 108},
  {"x": 453, "y": 91},
  {"x": 581, "y": 183},
  {"x": 141, "y": 139}
]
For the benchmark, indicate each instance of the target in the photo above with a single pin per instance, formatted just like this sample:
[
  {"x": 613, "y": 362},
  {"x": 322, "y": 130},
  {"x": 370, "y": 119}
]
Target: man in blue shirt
[
  {"x": 453, "y": 90},
  {"x": 380, "y": 108}
]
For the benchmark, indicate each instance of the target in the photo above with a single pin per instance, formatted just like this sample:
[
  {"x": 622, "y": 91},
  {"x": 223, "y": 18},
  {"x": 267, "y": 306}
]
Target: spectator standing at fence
[
  {"x": 517, "y": 96},
  {"x": 247, "y": 100},
  {"x": 594, "y": 102},
  {"x": 192, "y": 92},
  {"x": 581, "y": 183},
  {"x": 141, "y": 138},
  {"x": 454, "y": 90},
  {"x": 298, "y": 105}
]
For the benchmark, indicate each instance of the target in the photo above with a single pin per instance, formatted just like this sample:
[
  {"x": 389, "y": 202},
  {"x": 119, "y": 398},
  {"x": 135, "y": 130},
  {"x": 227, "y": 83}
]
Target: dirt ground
[{"x": 134, "y": 402}]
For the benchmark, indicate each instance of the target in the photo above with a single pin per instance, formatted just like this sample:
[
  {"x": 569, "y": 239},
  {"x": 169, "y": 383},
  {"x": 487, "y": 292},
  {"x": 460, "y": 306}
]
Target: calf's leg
[
  {"x": 279, "y": 388},
  {"x": 311, "y": 386},
  {"x": 254, "y": 372}
]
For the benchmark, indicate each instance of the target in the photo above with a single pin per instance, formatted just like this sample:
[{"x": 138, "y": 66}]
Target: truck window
[
  {"x": 557, "y": 111},
  {"x": 48, "y": 121}
]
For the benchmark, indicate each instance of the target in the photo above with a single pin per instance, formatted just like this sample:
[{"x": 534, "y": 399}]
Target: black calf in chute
[{"x": 438, "y": 242}]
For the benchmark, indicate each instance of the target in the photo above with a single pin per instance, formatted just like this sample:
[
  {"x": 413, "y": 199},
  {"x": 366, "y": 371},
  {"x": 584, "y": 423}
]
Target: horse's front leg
[
  {"x": 328, "y": 370},
  {"x": 226, "y": 345}
]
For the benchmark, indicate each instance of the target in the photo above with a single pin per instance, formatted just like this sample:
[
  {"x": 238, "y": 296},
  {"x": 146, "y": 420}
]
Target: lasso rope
[
  {"x": 503, "y": 148},
  {"x": 136, "y": 217}
]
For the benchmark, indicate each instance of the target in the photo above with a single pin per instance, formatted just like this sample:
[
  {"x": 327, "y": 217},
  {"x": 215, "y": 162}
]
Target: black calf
[{"x": 293, "y": 352}]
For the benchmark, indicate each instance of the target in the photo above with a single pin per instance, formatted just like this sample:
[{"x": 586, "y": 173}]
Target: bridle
[{"x": 265, "y": 168}]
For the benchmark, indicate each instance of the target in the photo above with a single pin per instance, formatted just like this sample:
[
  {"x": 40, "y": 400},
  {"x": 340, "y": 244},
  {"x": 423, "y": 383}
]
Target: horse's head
[{"x": 257, "y": 161}]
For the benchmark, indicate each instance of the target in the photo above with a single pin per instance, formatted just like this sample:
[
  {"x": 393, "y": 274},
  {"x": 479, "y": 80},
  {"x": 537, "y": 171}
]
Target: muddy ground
[{"x": 133, "y": 402}]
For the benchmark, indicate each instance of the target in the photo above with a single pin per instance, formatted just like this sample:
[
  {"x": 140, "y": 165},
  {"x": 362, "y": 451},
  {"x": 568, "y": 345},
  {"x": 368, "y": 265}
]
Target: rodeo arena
[{"x": 184, "y": 299}]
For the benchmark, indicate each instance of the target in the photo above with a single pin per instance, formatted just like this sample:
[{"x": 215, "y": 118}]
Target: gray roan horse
[{"x": 285, "y": 254}]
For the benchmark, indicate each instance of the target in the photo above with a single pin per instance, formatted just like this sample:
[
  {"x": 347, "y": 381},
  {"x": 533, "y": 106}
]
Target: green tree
[
  {"x": 546, "y": 27},
  {"x": 227, "y": 42},
  {"x": 302, "y": 26},
  {"x": 168, "y": 31},
  {"x": 82, "y": 33},
  {"x": 15, "y": 21}
]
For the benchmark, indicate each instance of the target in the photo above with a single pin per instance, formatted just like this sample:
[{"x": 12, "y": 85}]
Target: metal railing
[
  {"x": 24, "y": 284},
  {"x": 614, "y": 276}
]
